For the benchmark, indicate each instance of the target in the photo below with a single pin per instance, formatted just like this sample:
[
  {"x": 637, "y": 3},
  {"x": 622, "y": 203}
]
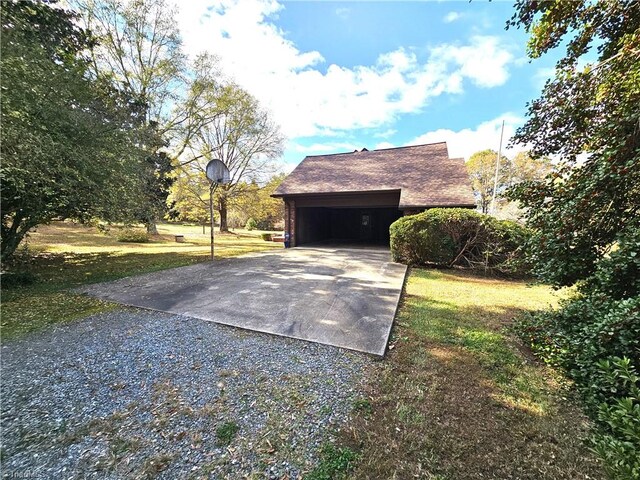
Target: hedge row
[{"x": 449, "y": 237}]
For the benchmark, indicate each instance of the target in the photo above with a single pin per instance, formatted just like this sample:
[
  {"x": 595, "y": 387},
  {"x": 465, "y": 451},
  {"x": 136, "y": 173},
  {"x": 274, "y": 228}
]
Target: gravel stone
[{"x": 139, "y": 394}]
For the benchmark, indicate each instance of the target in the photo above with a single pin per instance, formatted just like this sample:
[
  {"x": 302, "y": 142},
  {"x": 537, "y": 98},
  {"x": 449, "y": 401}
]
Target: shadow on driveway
[{"x": 337, "y": 296}]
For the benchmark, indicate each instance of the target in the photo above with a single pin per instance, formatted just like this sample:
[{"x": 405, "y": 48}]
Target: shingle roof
[{"x": 424, "y": 174}]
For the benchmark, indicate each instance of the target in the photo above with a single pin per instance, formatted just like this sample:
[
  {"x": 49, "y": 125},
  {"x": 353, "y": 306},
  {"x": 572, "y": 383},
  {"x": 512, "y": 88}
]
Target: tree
[
  {"x": 69, "y": 142},
  {"x": 256, "y": 202},
  {"x": 242, "y": 135},
  {"x": 586, "y": 213},
  {"x": 525, "y": 168},
  {"x": 481, "y": 167},
  {"x": 587, "y": 117},
  {"x": 189, "y": 196},
  {"x": 139, "y": 51}
]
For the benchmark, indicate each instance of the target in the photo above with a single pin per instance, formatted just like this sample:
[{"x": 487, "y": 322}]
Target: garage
[
  {"x": 346, "y": 218},
  {"x": 369, "y": 226},
  {"x": 353, "y": 198}
]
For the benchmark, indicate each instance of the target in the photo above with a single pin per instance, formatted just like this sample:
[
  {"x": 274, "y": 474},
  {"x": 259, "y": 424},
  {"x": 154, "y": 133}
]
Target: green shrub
[
  {"x": 133, "y": 235},
  {"x": 251, "y": 224},
  {"x": 618, "y": 441},
  {"x": 266, "y": 237},
  {"x": 583, "y": 332},
  {"x": 451, "y": 237},
  {"x": 595, "y": 338}
]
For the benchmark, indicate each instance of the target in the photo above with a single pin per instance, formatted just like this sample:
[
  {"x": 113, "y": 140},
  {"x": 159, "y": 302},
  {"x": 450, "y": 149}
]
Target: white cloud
[
  {"x": 307, "y": 100},
  {"x": 484, "y": 60},
  {"x": 464, "y": 143},
  {"x": 386, "y": 134},
  {"x": 324, "y": 148},
  {"x": 382, "y": 145},
  {"x": 343, "y": 12},
  {"x": 451, "y": 17}
]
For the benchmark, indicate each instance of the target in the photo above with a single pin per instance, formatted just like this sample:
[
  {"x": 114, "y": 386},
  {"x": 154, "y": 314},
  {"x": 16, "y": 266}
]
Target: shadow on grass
[
  {"x": 29, "y": 308},
  {"x": 456, "y": 399}
]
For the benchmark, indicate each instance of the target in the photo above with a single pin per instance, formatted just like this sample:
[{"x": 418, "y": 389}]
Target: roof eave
[{"x": 346, "y": 192}]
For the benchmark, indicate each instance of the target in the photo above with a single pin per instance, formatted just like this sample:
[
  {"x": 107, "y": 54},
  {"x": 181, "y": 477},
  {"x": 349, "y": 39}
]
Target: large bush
[
  {"x": 133, "y": 235},
  {"x": 459, "y": 237}
]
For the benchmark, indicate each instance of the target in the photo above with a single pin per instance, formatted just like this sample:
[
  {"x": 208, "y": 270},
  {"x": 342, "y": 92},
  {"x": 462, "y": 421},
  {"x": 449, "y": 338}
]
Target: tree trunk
[
  {"x": 484, "y": 204},
  {"x": 222, "y": 208},
  {"x": 12, "y": 236},
  {"x": 152, "y": 228}
]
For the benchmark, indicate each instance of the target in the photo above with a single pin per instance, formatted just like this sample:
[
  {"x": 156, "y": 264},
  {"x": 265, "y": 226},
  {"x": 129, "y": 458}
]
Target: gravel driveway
[{"x": 139, "y": 394}]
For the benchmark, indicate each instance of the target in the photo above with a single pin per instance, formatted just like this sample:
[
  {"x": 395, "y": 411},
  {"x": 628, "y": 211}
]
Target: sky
[{"x": 339, "y": 76}]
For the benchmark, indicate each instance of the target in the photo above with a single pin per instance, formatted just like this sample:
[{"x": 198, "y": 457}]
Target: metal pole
[
  {"x": 495, "y": 180},
  {"x": 212, "y": 187}
]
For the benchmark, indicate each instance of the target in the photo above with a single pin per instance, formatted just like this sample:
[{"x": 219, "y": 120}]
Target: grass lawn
[
  {"x": 457, "y": 399},
  {"x": 69, "y": 255}
]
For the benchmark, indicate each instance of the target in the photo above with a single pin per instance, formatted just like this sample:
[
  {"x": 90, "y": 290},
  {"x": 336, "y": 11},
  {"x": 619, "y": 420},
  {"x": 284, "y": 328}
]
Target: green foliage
[
  {"x": 335, "y": 463},
  {"x": 225, "y": 432},
  {"x": 587, "y": 337},
  {"x": 266, "y": 237},
  {"x": 586, "y": 214},
  {"x": 459, "y": 237},
  {"x": 481, "y": 167},
  {"x": 580, "y": 210},
  {"x": 133, "y": 235},
  {"x": 525, "y": 168},
  {"x": 242, "y": 134},
  {"x": 69, "y": 141},
  {"x": 586, "y": 330},
  {"x": 251, "y": 224},
  {"x": 618, "y": 443}
]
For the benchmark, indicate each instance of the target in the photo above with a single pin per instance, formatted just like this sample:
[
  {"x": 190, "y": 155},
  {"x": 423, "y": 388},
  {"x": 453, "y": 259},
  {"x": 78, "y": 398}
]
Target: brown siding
[
  {"x": 373, "y": 199},
  {"x": 290, "y": 220}
]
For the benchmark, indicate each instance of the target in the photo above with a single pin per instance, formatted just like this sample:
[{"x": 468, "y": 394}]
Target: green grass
[
  {"x": 226, "y": 432},
  {"x": 335, "y": 463},
  {"x": 457, "y": 397},
  {"x": 66, "y": 255}
]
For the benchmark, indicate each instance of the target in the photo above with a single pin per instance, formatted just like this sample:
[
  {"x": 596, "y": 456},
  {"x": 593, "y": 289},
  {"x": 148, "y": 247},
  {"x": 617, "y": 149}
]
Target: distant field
[
  {"x": 71, "y": 237},
  {"x": 64, "y": 255}
]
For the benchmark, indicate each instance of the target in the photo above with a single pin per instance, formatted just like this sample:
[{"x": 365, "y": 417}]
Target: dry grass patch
[{"x": 457, "y": 399}]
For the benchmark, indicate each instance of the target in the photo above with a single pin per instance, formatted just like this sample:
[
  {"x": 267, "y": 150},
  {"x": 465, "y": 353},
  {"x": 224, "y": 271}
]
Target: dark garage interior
[{"x": 369, "y": 226}]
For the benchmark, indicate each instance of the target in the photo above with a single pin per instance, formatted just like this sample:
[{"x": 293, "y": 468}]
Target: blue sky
[{"x": 345, "y": 75}]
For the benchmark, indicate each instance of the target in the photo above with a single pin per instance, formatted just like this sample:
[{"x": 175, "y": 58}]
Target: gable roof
[{"x": 424, "y": 174}]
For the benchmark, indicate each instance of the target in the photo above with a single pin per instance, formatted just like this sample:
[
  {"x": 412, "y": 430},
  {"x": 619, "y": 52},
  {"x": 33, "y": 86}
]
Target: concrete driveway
[{"x": 345, "y": 297}]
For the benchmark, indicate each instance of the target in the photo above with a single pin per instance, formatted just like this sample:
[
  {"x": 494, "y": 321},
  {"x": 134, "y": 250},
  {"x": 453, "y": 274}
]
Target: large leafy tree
[
  {"x": 69, "y": 141},
  {"x": 241, "y": 134},
  {"x": 257, "y": 203},
  {"x": 525, "y": 168},
  {"x": 586, "y": 213},
  {"x": 140, "y": 52},
  {"x": 588, "y": 117},
  {"x": 481, "y": 167}
]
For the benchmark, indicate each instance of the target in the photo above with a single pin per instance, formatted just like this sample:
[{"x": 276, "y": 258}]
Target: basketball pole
[
  {"x": 495, "y": 179},
  {"x": 212, "y": 189}
]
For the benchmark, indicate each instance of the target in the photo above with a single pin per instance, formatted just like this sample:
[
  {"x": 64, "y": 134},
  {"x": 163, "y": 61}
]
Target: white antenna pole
[{"x": 495, "y": 179}]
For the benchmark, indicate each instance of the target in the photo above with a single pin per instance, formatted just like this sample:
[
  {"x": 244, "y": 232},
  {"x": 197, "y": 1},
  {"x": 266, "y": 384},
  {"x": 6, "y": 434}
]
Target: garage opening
[{"x": 369, "y": 226}]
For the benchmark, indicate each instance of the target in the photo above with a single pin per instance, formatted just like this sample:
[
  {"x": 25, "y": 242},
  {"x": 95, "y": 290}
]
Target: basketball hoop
[{"x": 218, "y": 174}]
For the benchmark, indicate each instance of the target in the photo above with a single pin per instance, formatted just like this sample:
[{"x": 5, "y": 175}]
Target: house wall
[
  {"x": 290, "y": 220},
  {"x": 373, "y": 199}
]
